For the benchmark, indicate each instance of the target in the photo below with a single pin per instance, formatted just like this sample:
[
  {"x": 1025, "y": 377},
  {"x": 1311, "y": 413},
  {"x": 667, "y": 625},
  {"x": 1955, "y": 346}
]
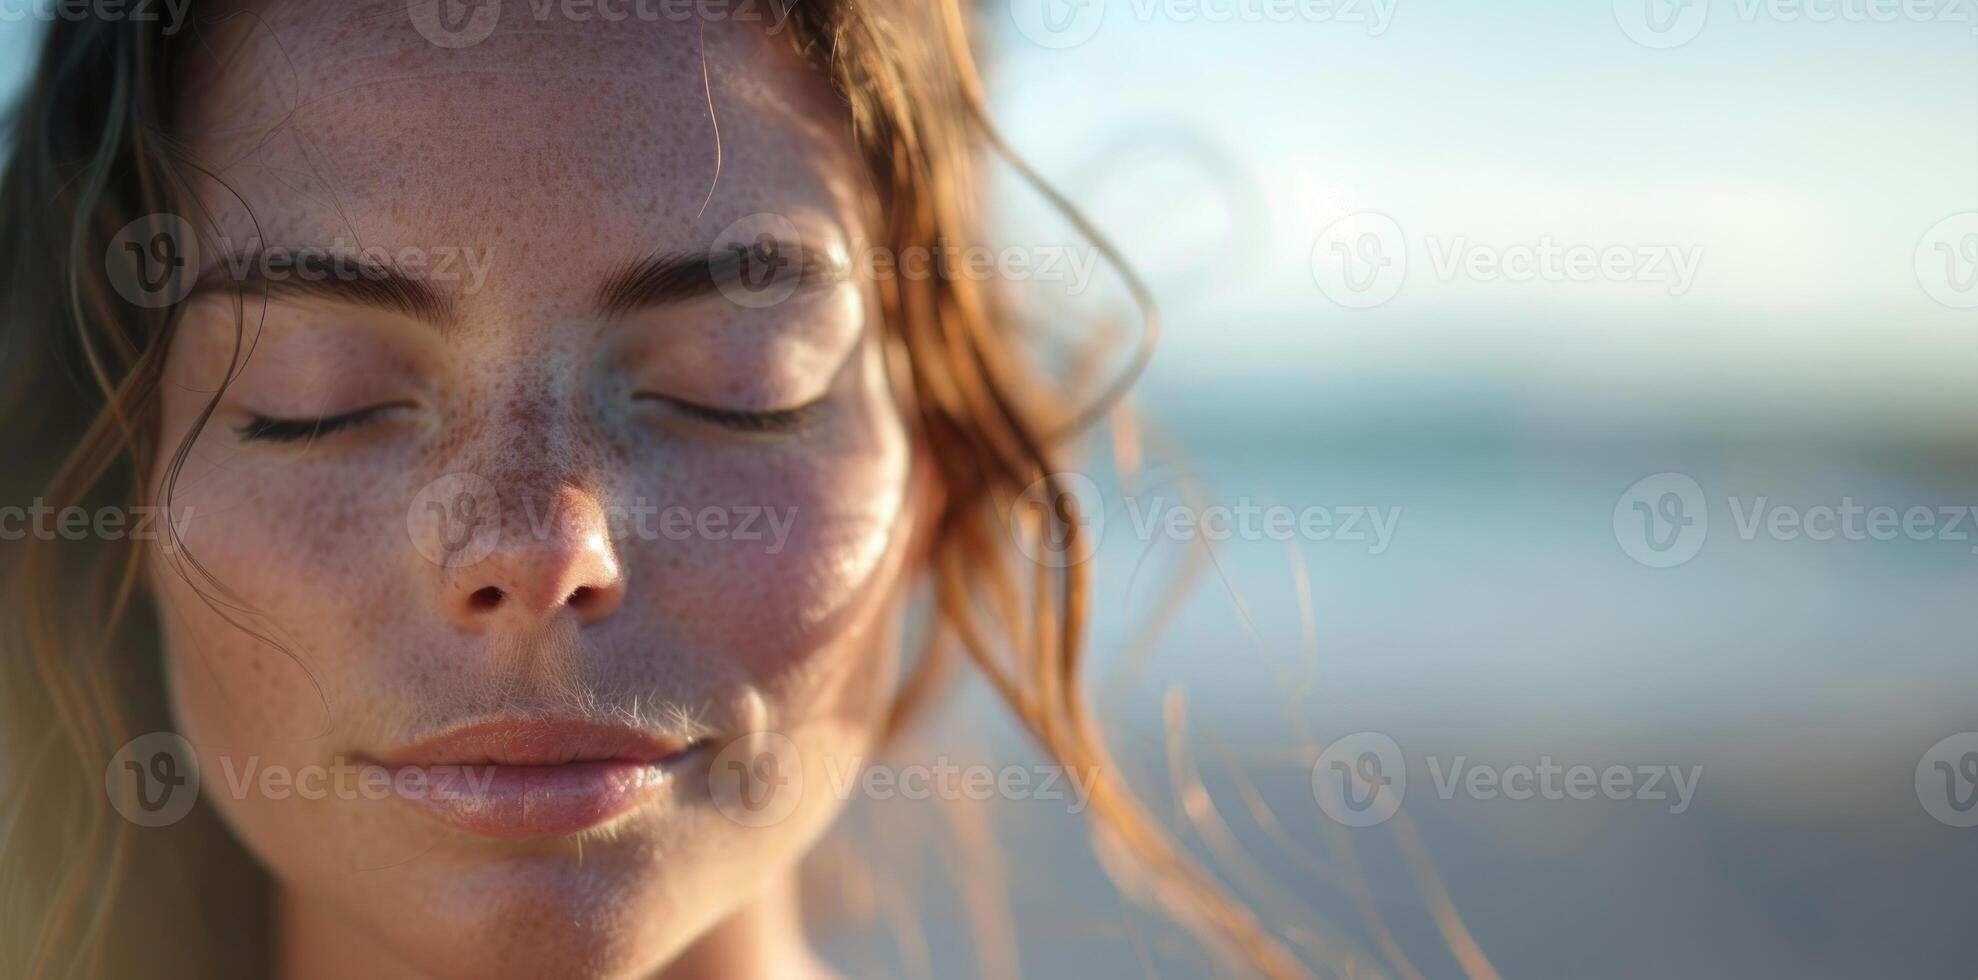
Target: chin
[{"x": 620, "y": 899}]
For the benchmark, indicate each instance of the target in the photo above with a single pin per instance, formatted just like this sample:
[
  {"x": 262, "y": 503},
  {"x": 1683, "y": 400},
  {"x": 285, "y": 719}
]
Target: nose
[{"x": 539, "y": 571}]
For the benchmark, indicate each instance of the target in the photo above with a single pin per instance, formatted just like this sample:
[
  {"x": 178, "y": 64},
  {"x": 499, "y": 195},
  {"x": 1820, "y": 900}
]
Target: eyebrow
[
  {"x": 662, "y": 279},
  {"x": 676, "y": 277},
  {"x": 334, "y": 276}
]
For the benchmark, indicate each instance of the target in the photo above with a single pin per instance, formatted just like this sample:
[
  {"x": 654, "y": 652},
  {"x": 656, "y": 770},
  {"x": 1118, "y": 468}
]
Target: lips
[{"x": 533, "y": 778}]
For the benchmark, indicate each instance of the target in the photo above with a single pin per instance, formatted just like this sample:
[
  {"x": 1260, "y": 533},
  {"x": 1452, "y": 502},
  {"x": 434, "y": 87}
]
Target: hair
[{"x": 95, "y": 148}]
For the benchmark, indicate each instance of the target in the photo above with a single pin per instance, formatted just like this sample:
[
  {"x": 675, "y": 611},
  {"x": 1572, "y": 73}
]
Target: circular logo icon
[
  {"x": 1662, "y": 520},
  {"x": 1058, "y": 24},
  {"x": 455, "y": 520},
  {"x": 153, "y": 262},
  {"x": 454, "y": 23},
  {"x": 757, "y": 780},
  {"x": 757, "y": 261},
  {"x": 1947, "y": 261},
  {"x": 1067, "y": 514},
  {"x": 154, "y": 779},
  {"x": 1947, "y": 780},
  {"x": 1661, "y": 24},
  {"x": 1360, "y": 780},
  {"x": 1361, "y": 260}
]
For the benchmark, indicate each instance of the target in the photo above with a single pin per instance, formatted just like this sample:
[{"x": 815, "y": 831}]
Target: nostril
[
  {"x": 486, "y": 598},
  {"x": 582, "y": 596}
]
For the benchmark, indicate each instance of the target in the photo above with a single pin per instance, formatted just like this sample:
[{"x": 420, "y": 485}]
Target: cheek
[
  {"x": 779, "y": 557},
  {"x": 263, "y": 694},
  {"x": 282, "y": 576},
  {"x": 294, "y": 541}
]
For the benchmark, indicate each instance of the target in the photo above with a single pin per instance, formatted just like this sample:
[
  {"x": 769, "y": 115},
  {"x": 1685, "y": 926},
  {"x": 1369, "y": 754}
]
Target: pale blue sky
[{"x": 1803, "y": 160}]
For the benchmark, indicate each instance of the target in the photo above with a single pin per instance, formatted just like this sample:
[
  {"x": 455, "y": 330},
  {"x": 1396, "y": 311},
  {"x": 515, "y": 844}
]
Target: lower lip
[{"x": 533, "y": 801}]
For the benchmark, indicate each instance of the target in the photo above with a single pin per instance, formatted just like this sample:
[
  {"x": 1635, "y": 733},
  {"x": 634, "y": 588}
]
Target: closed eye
[
  {"x": 268, "y": 429},
  {"x": 773, "y": 420}
]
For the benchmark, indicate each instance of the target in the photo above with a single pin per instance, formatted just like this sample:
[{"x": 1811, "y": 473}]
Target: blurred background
[
  {"x": 1603, "y": 317},
  {"x": 1340, "y": 209}
]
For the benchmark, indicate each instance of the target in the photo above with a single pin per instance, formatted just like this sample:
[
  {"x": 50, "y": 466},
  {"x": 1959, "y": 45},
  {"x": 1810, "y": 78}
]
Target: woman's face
[{"x": 580, "y": 514}]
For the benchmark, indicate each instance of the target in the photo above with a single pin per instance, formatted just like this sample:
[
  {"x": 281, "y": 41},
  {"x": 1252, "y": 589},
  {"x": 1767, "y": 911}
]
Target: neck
[{"x": 763, "y": 938}]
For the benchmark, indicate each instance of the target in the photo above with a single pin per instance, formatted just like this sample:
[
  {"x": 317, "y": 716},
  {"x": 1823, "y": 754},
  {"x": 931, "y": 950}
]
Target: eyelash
[
  {"x": 773, "y": 421},
  {"x": 266, "y": 429}
]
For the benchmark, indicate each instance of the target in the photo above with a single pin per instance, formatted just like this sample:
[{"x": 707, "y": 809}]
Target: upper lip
[{"x": 536, "y": 742}]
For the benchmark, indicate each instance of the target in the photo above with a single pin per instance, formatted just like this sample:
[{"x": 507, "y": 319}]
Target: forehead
[{"x": 551, "y": 138}]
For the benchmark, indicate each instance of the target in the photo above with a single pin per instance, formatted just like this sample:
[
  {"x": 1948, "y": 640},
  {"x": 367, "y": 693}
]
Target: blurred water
[{"x": 1801, "y": 681}]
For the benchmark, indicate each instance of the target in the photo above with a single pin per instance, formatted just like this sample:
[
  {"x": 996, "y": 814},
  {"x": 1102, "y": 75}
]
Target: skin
[{"x": 318, "y": 629}]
